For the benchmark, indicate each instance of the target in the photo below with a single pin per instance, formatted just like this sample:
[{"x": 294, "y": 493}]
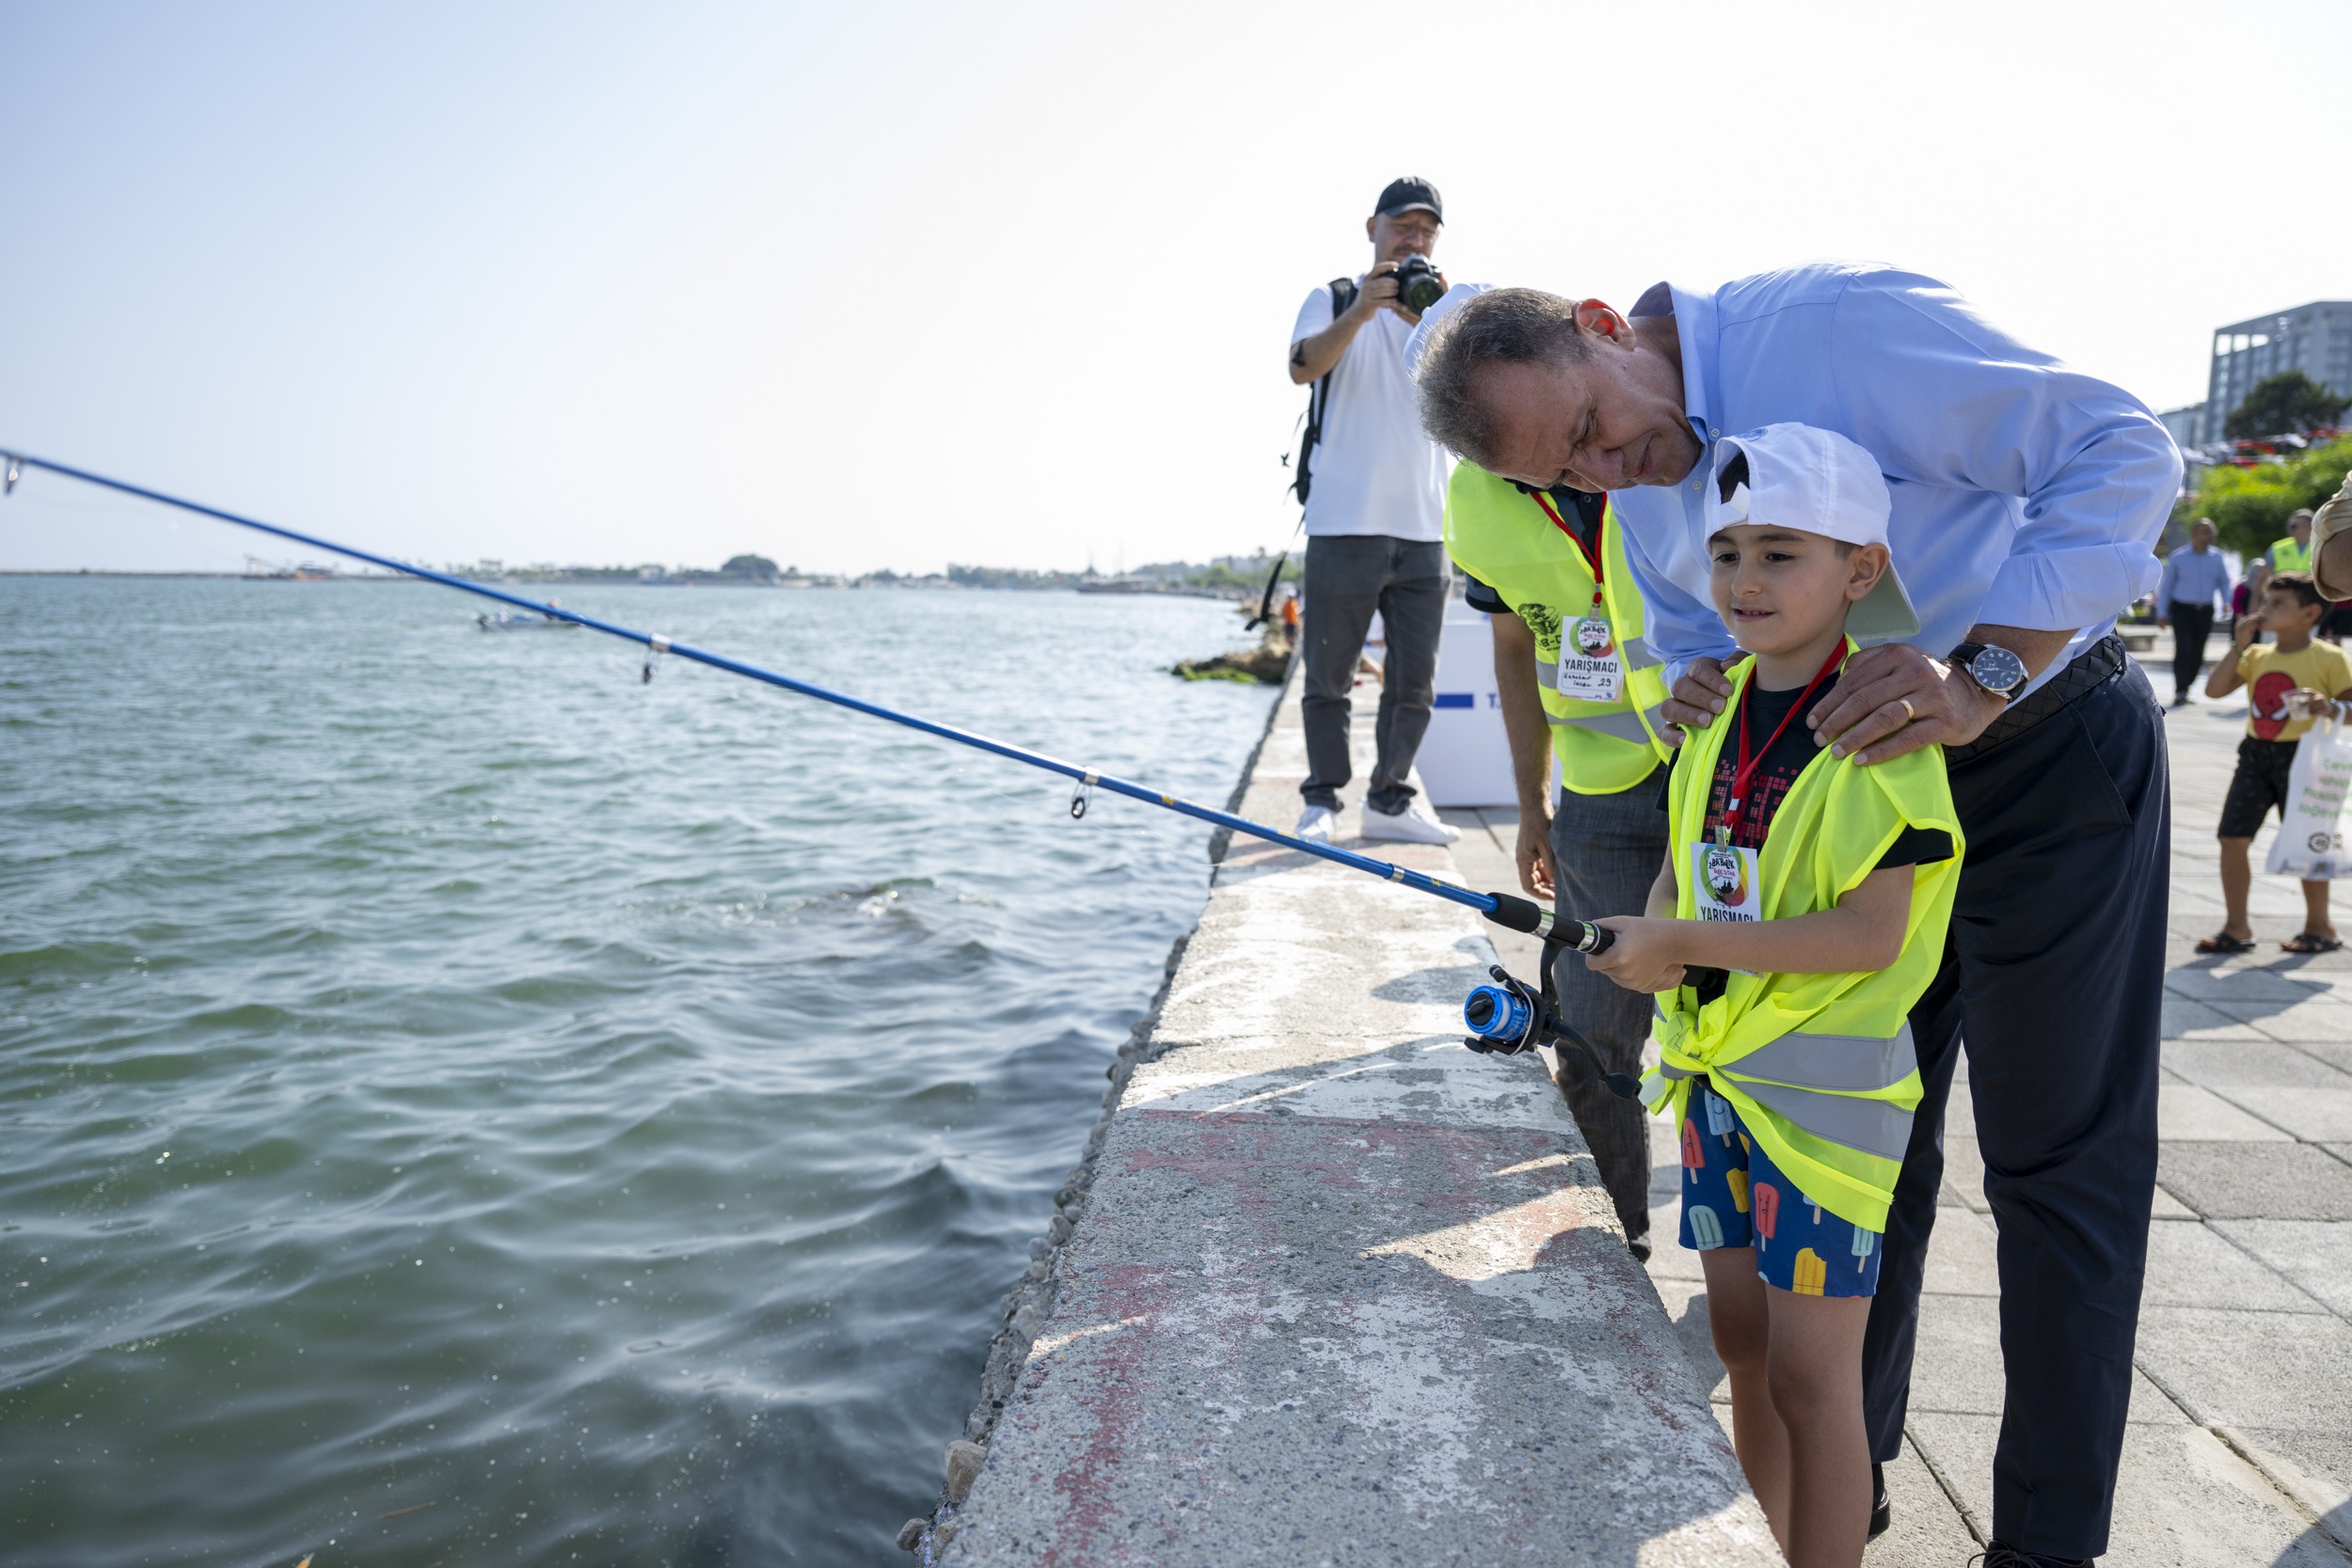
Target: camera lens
[{"x": 1418, "y": 285}]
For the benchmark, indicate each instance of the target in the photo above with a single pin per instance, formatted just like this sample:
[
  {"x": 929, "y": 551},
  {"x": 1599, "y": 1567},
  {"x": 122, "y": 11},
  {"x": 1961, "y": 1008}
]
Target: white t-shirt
[{"x": 1375, "y": 472}]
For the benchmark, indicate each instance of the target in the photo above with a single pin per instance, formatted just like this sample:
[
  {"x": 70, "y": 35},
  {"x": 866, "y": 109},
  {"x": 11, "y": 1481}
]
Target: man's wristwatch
[{"x": 1992, "y": 667}]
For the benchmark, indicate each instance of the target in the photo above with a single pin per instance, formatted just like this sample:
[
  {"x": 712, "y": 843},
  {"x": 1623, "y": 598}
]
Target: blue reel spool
[{"x": 1497, "y": 1014}]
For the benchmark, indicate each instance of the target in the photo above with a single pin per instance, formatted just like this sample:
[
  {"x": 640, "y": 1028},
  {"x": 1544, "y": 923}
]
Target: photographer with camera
[{"x": 1374, "y": 520}]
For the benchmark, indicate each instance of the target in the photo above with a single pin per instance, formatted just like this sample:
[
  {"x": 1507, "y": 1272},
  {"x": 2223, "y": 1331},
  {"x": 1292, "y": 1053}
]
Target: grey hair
[{"x": 1504, "y": 326}]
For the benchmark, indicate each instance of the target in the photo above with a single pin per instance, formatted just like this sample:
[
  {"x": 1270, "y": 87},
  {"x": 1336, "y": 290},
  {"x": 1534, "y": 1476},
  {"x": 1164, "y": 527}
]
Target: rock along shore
[{"x": 1328, "y": 1287}]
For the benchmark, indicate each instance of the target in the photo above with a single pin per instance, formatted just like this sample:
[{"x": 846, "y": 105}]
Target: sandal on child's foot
[
  {"x": 2222, "y": 941},
  {"x": 2310, "y": 941}
]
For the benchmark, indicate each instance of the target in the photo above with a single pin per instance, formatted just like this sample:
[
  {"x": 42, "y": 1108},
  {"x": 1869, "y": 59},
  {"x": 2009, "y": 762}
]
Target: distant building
[
  {"x": 2186, "y": 424},
  {"x": 2315, "y": 338}
]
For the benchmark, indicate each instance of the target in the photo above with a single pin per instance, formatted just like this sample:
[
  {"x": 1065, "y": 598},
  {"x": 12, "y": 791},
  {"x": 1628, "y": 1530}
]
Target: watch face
[{"x": 1997, "y": 668}]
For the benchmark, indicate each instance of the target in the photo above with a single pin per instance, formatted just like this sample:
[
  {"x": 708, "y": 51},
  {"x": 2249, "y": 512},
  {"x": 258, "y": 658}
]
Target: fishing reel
[{"x": 1511, "y": 1016}]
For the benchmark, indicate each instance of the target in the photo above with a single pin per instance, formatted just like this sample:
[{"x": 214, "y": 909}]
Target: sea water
[{"x": 462, "y": 1102}]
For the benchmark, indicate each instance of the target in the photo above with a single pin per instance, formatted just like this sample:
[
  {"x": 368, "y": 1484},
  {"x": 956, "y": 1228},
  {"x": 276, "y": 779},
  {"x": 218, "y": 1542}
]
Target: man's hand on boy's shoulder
[
  {"x": 1891, "y": 700},
  {"x": 1946, "y": 707},
  {"x": 1699, "y": 695}
]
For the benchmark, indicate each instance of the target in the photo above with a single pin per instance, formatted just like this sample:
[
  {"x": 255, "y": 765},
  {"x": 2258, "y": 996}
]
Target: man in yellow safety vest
[
  {"x": 2293, "y": 552},
  {"x": 1570, "y": 663}
]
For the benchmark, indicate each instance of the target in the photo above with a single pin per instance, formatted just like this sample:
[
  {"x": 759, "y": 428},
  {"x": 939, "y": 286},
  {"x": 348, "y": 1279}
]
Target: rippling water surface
[{"x": 461, "y": 1105}]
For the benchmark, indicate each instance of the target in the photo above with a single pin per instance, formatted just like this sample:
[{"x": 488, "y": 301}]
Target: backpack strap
[{"x": 1318, "y": 399}]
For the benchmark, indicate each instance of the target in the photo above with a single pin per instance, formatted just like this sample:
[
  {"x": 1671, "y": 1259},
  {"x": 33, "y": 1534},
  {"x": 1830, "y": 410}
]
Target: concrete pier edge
[
  {"x": 1325, "y": 1285},
  {"x": 1009, "y": 1346}
]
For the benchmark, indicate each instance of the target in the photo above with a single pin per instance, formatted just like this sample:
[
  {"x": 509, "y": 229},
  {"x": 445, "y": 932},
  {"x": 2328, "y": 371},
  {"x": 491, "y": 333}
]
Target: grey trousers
[
  {"x": 1348, "y": 577},
  {"x": 1608, "y": 848}
]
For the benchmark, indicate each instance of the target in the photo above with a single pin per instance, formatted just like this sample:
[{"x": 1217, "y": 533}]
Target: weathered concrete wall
[{"x": 1342, "y": 1290}]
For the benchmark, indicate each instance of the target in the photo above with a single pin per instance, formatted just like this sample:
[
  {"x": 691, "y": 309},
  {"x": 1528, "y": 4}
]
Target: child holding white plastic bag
[{"x": 2289, "y": 685}]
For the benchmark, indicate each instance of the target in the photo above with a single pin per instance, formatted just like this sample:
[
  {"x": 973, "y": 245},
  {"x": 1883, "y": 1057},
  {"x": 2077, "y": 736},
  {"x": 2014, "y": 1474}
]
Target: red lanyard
[
  {"x": 1592, "y": 557},
  {"x": 1748, "y": 764}
]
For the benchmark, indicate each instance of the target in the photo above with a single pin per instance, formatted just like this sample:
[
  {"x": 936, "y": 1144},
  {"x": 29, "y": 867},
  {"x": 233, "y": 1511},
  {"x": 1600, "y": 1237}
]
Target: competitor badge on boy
[
  {"x": 1722, "y": 879},
  {"x": 1590, "y": 669}
]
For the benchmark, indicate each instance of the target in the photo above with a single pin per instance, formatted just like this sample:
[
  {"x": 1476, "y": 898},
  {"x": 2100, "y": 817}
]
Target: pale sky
[{"x": 894, "y": 285}]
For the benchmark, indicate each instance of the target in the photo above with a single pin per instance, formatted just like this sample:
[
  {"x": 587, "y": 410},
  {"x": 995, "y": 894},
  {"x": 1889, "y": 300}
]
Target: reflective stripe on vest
[
  {"x": 1621, "y": 725},
  {"x": 1500, "y": 536},
  {"x": 1854, "y": 1063},
  {"x": 1822, "y": 1068},
  {"x": 1873, "y": 1126},
  {"x": 1816, "y": 1081}
]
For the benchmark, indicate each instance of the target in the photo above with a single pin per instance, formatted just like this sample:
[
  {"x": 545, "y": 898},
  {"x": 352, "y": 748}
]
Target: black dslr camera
[{"x": 1418, "y": 285}]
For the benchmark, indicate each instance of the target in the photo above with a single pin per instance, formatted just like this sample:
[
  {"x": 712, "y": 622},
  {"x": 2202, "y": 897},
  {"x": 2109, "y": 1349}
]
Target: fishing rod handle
[
  {"x": 1582, "y": 935},
  {"x": 1521, "y": 915}
]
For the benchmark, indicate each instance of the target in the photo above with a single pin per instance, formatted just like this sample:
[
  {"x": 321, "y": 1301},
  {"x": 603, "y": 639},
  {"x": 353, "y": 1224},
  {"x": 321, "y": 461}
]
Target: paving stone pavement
[{"x": 2240, "y": 1449}]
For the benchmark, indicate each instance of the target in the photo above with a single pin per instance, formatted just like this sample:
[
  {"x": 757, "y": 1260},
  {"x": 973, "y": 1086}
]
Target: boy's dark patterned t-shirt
[{"x": 1776, "y": 773}]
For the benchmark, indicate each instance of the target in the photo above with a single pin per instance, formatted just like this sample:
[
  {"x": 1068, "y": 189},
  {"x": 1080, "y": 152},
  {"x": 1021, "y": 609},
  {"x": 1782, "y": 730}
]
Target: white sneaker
[
  {"x": 1316, "y": 823},
  {"x": 1413, "y": 824}
]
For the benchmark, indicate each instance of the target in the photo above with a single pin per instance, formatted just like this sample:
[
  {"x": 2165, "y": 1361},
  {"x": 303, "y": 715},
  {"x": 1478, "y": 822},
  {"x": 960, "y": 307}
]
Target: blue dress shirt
[
  {"x": 2193, "y": 578},
  {"x": 2026, "y": 494}
]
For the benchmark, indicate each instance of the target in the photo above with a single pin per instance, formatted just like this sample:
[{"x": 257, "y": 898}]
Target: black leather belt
[{"x": 2091, "y": 670}]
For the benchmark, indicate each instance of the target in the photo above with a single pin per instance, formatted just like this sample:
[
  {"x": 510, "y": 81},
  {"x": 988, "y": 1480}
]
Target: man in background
[
  {"x": 2194, "y": 579},
  {"x": 2299, "y": 552},
  {"x": 2293, "y": 552},
  {"x": 1375, "y": 527}
]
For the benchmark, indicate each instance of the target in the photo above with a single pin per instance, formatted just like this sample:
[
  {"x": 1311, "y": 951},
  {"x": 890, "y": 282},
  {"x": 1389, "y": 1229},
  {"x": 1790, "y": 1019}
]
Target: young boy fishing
[
  {"x": 1818, "y": 893},
  {"x": 2290, "y": 683}
]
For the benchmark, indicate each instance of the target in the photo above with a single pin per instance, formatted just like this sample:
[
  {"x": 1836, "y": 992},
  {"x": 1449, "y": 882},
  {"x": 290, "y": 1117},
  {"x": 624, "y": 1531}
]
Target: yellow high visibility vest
[
  {"x": 1819, "y": 1066},
  {"x": 1506, "y": 540},
  {"x": 2288, "y": 556}
]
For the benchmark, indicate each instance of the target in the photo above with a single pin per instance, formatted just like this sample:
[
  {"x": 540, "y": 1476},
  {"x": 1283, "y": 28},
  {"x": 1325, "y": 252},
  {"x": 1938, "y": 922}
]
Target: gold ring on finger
[{"x": 1909, "y": 714}]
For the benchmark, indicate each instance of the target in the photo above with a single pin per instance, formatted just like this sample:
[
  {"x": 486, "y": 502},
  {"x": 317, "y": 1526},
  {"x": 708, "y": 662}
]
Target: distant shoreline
[
  {"x": 932, "y": 584},
  {"x": 228, "y": 577}
]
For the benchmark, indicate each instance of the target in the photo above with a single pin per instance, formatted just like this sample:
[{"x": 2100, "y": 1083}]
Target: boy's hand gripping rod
[{"x": 1503, "y": 908}]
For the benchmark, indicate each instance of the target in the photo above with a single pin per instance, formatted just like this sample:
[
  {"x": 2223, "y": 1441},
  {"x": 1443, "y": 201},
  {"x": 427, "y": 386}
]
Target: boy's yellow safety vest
[
  {"x": 1507, "y": 540},
  {"x": 1819, "y": 1066}
]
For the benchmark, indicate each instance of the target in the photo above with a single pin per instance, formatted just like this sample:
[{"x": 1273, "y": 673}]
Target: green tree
[
  {"x": 2281, "y": 404},
  {"x": 748, "y": 566},
  {"x": 2249, "y": 506}
]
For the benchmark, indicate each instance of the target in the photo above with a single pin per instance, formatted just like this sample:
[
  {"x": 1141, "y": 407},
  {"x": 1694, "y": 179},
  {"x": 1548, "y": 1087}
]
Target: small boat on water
[{"x": 504, "y": 621}]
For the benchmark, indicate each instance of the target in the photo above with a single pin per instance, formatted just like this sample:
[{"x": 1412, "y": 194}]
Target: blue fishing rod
[{"x": 1506, "y": 1017}]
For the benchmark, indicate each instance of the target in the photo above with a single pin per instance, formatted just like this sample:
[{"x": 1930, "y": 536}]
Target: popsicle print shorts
[{"x": 1734, "y": 1196}]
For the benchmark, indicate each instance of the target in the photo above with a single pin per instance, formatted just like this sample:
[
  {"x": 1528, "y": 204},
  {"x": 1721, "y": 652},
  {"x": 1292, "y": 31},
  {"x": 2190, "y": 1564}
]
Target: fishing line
[{"x": 1530, "y": 1024}]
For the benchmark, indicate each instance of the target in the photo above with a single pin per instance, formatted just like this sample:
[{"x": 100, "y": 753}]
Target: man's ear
[
  {"x": 1368, "y": 224},
  {"x": 1867, "y": 563},
  {"x": 1596, "y": 317}
]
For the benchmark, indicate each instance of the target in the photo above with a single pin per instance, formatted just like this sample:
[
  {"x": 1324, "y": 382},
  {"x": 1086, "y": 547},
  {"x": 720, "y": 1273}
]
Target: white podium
[{"x": 1466, "y": 758}]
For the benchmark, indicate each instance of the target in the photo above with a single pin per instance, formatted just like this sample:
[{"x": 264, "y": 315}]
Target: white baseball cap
[{"x": 1816, "y": 481}]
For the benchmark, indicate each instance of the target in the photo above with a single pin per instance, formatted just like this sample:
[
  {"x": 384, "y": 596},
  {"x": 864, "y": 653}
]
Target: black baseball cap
[{"x": 1409, "y": 195}]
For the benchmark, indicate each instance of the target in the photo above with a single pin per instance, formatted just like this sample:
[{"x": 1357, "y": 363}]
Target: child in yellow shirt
[{"x": 2289, "y": 685}]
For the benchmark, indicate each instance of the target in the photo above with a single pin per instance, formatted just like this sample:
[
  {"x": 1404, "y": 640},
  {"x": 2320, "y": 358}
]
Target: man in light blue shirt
[
  {"x": 2026, "y": 498},
  {"x": 2194, "y": 580}
]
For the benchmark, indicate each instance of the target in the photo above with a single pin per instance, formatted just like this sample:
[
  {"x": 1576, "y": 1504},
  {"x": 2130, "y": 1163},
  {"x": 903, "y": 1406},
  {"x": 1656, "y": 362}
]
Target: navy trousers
[{"x": 2052, "y": 978}]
